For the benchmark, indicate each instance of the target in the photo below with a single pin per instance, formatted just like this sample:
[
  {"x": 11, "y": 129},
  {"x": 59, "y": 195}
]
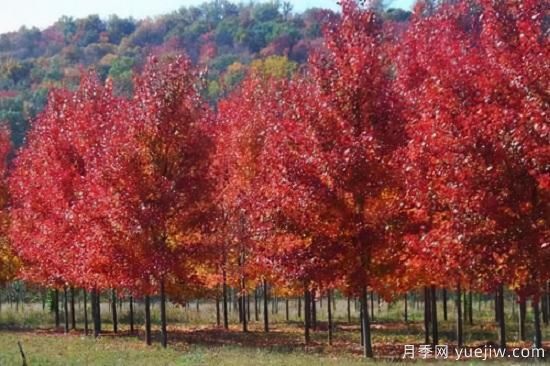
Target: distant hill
[{"x": 224, "y": 37}]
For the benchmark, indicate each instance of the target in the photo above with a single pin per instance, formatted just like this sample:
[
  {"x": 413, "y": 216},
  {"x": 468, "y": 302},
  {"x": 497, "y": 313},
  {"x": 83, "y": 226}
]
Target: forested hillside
[{"x": 223, "y": 36}]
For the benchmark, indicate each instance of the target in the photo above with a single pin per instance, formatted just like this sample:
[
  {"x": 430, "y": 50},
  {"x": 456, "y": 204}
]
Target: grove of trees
[{"x": 396, "y": 158}]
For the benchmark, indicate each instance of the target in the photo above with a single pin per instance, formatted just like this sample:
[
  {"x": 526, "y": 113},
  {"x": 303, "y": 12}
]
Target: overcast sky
[{"x": 42, "y": 13}]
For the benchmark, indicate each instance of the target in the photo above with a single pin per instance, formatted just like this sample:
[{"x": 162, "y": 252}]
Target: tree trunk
[
  {"x": 459, "y": 333},
  {"x": 299, "y": 307},
  {"x": 224, "y": 300},
  {"x": 148, "y": 320},
  {"x": 66, "y": 308},
  {"x": 287, "y": 317},
  {"x": 56, "y": 307},
  {"x": 163, "y": 330},
  {"x": 96, "y": 312},
  {"x": 372, "y": 305},
  {"x": 426, "y": 315},
  {"x": 256, "y": 307},
  {"x": 131, "y": 305},
  {"x": 433, "y": 308},
  {"x": 349, "y": 310},
  {"x": 240, "y": 307},
  {"x": 365, "y": 325},
  {"x": 114, "y": 311},
  {"x": 522, "y": 312},
  {"x": 497, "y": 308},
  {"x": 85, "y": 312},
  {"x": 470, "y": 308},
  {"x": 406, "y": 309},
  {"x": 544, "y": 307},
  {"x": 501, "y": 323},
  {"x": 248, "y": 306},
  {"x": 538, "y": 332},
  {"x": 329, "y": 313},
  {"x": 266, "y": 309},
  {"x": 445, "y": 304},
  {"x": 307, "y": 315},
  {"x": 361, "y": 339},
  {"x": 218, "y": 315},
  {"x": 313, "y": 310},
  {"x": 73, "y": 313},
  {"x": 243, "y": 307}
]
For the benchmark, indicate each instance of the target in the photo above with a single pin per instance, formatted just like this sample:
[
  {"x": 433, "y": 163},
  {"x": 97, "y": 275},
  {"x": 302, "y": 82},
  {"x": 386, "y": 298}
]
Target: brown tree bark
[
  {"x": 114, "y": 311},
  {"x": 266, "y": 309},
  {"x": 329, "y": 313},
  {"x": 459, "y": 333},
  {"x": 367, "y": 345},
  {"x": 73, "y": 312},
  {"x": 148, "y": 340},
  {"x": 163, "y": 330},
  {"x": 85, "y": 311},
  {"x": 522, "y": 313}
]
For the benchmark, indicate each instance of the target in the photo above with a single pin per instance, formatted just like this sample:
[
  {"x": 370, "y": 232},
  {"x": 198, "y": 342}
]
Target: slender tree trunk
[
  {"x": 307, "y": 315},
  {"x": 458, "y": 302},
  {"x": 367, "y": 345},
  {"x": 329, "y": 313},
  {"x": 218, "y": 315},
  {"x": 93, "y": 309},
  {"x": 522, "y": 312},
  {"x": 85, "y": 312},
  {"x": 240, "y": 307},
  {"x": 445, "y": 304},
  {"x": 362, "y": 338},
  {"x": 66, "y": 308},
  {"x": 73, "y": 313},
  {"x": 433, "y": 308},
  {"x": 266, "y": 315},
  {"x": 243, "y": 307},
  {"x": 538, "y": 332},
  {"x": 224, "y": 302},
  {"x": 372, "y": 305},
  {"x": 349, "y": 310},
  {"x": 406, "y": 309},
  {"x": 313, "y": 311},
  {"x": 163, "y": 330},
  {"x": 56, "y": 307},
  {"x": 96, "y": 312},
  {"x": 465, "y": 307},
  {"x": 426, "y": 315},
  {"x": 131, "y": 306},
  {"x": 114, "y": 311},
  {"x": 299, "y": 307},
  {"x": 248, "y": 307},
  {"x": 256, "y": 307},
  {"x": 544, "y": 307},
  {"x": 497, "y": 308},
  {"x": 470, "y": 308},
  {"x": 148, "y": 320},
  {"x": 501, "y": 323},
  {"x": 287, "y": 317}
]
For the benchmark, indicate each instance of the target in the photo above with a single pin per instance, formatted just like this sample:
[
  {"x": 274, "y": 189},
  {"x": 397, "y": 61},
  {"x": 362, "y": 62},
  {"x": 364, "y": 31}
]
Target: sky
[{"x": 42, "y": 13}]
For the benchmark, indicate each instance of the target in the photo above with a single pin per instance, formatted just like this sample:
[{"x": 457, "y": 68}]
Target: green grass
[{"x": 194, "y": 339}]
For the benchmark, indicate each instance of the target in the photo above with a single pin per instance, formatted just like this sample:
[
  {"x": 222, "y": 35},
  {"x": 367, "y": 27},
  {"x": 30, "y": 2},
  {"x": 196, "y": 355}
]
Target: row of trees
[{"x": 384, "y": 164}]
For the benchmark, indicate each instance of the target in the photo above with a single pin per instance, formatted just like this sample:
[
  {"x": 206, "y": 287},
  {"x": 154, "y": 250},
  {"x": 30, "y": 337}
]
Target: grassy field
[{"x": 195, "y": 340}]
